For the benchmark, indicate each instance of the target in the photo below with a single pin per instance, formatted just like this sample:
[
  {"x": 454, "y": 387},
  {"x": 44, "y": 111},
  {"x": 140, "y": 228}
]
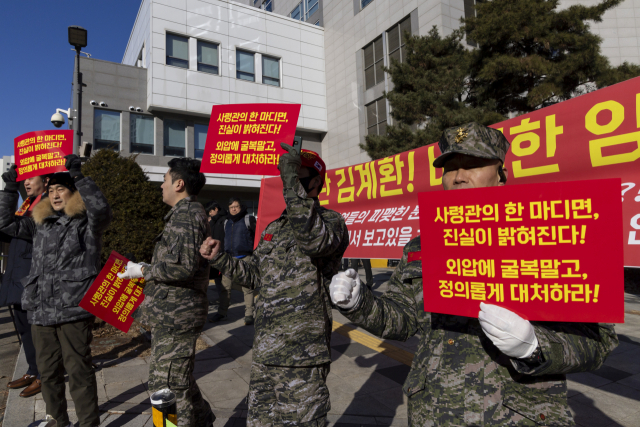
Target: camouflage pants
[
  {"x": 172, "y": 362},
  {"x": 288, "y": 396}
]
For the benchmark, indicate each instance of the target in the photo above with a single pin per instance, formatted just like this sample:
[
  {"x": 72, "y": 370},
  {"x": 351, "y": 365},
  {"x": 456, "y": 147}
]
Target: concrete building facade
[{"x": 184, "y": 56}]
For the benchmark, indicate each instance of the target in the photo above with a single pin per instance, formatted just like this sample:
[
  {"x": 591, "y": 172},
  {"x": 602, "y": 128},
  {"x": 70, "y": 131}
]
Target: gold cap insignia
[{"x": 461, "y": 134}]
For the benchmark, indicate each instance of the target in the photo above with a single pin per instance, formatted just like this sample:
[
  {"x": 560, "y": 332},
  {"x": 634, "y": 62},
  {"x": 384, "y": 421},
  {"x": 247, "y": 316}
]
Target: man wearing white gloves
[{"x": 497, "y": 370}]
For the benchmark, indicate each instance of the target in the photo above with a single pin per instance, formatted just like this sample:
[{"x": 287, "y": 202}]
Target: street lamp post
[{"x": 78, "y": 39}]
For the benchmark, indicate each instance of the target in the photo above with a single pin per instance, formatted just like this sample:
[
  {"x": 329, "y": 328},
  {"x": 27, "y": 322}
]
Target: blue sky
[{"x": 37, "y": 64}]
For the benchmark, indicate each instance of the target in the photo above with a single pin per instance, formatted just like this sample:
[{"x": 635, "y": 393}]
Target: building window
[
  {"x": 377, "y": 117},
  {"x": 174, "y": 137},
  {"x": 207, "y": 57},
  {"x": 310, "y": 7},
  {"x": 305, "y": 9},
  {"x": 297, "y": 12},
  {"x": 141, "y": 133},
  {"x": 470, "y": 12},
  {"x": 317, "y": 23},
  {"x": 270, "y": 71},
  {"x": 267, "y": 5},
  {"x": 396, "y": 40},
  {"x": 199, "y": 139},
  {"x": 177, "y": 51},
  {"x": 106, "y": 129},
  {"x": 364, "y": 3},
  {"x": 245, "y": 65},
  {"x": 373, "y": 63}
]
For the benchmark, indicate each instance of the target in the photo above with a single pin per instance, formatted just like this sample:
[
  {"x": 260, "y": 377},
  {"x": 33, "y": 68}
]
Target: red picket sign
[
  {"x": 245, "y": 139},
  {"x": 42, "y": 152},
  {"x": 548, "y": 252},
  {"x": 113, "y": 299}
]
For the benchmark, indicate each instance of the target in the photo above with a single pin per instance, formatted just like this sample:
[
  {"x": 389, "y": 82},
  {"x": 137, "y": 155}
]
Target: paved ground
[
  {"x": 365, "y": 379},
  {"x": 9, "y": 349}
]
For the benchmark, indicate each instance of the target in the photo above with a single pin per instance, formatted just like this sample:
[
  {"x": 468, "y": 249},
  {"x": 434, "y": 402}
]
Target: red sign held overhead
[
  {"x": 245, "y": 139},
  {"x": 42, "y": 152},
  {"x": 113, "y": 299},
  {"x": 548, "y": 252}
]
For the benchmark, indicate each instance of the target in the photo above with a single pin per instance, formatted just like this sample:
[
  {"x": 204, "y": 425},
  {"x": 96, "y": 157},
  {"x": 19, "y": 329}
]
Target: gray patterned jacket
[{"x": 66, "y": 251}]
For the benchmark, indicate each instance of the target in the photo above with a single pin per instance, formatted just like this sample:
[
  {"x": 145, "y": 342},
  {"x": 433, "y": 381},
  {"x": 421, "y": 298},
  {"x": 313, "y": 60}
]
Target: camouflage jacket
[
  {"x": 66, "y": 251},
  {"x": 465, "y": 379},
  {"x": 177, "y": 280},
  {"x": 291, "y": 269}
]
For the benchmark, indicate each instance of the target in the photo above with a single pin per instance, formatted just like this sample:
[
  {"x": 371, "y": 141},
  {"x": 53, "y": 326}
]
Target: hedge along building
[{"x": 184, "y": 56}]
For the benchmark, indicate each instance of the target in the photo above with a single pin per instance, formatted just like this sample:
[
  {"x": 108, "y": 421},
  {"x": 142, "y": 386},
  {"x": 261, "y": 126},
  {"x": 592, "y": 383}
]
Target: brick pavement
[{"x": 365, "y": 384}]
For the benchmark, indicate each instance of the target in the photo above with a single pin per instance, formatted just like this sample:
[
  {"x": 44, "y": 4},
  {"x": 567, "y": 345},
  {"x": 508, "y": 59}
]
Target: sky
[{"x": 36, "y": 69}]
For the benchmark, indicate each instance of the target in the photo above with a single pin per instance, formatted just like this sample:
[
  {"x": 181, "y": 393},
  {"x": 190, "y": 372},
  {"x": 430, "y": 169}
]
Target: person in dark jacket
[
  {"x": 67, "y": 232},
  {"x": 239, "y": 233},
  {"x": 18, "y": 266}
]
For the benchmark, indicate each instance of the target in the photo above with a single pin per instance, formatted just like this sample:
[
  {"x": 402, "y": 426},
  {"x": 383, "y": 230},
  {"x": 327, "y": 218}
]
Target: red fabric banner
[
  {"x": 543, "y": 251},
  {"x": 594, "y": 136},
  {"x": 113, "y": 299},
  {"x": 245, "y": 139},
  {"x": 42, "y": 152}
]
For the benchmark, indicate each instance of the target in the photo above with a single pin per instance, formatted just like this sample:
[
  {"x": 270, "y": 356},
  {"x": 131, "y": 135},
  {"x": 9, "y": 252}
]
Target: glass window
[
  {"x": 364, "y": 3},
  {"x": 267, "y": 5},
  {"x": 245, "y": 65},
  {"x": 207, "y": 57},
  {"x": 310, "y": 8},
  {"x": 141, "y": 133},
  {"x": 470, "y": 12},
  {"x": 199, "y": 139},
  {"x": 174, "y": 137},
  {"x": 177, "y": 51},
  {"x": 397, "y": 39},
  {"x": 106, "y": 129},
  {"x": 270, "y": 71},
  {"x": 373, "y": 63},
  {"x": 296, "y": 13},
  {"x": 377, "y": 117},
  {"x": 317, "y": 23}
]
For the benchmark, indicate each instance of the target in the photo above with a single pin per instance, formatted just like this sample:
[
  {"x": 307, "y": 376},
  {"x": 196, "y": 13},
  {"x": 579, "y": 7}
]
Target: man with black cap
[
  {"x": 18, "y": 266},
  {"x": 67, "y": 229},
  {"x": 497, "y": 370},
  {"x": 290, "y": 270}
]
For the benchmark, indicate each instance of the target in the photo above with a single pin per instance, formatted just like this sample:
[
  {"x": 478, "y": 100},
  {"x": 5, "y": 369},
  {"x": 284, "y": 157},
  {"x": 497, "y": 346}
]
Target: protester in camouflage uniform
[
  {"x": 175, "y": 304},
  {"x": 291, "y": 270},
  {"x": 66, "y": 229},
  {"x": 498, "y": 370}
]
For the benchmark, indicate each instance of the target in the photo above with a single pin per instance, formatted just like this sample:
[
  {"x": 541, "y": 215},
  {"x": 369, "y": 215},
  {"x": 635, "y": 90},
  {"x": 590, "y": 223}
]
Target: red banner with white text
[
  {"x": 42, "y": 152},
  {"x": 594, "y": 136},
  {"x": 244, "y": 139},
  {"x": 541, "y": 250}
]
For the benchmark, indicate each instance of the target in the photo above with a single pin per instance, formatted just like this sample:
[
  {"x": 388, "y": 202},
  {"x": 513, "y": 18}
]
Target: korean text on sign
[
  {"x": 42, "y": 152},
  {"x": 549, "y": 252}
]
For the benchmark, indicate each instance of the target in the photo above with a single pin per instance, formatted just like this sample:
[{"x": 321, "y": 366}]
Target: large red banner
[
  {"x": 594, "y": 136},
  {"x": 245, "y": 139},
  {"x": 42, "y": 152},
  {"x": 113, "y": 299},
  {"x": 541, "y": 250}
]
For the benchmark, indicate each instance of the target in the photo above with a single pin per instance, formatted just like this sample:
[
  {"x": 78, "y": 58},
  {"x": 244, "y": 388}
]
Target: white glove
[
  {"x": 345, "y": 289},
  {"x": 133, "y": 270},
  {"x": 513, "y": 335}
]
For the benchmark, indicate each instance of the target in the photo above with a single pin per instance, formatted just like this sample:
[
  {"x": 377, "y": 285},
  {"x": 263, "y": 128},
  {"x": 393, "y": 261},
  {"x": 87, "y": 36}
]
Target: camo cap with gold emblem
[{"x": 472, "y": 139}]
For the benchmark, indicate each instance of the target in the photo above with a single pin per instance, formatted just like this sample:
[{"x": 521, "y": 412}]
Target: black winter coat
[
  {"x": 18, "y": 265},
  {"x": 66, "y": 251}
]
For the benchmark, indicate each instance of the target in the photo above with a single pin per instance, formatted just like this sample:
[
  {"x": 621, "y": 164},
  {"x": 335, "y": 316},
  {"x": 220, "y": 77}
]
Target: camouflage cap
[{"x": 472, "y": 139}]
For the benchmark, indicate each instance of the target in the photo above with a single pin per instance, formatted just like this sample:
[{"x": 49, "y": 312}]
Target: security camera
[
  {"x": 132, "y": 108},
  {"x": 93, "y": 102},
  {"x": 57, "y": 120},
  {"x": 103, "y": 104},
  {"x": 139, "y": 110}
]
